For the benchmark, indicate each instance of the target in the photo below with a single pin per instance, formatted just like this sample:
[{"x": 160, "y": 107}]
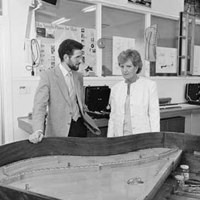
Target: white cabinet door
[{"x": 195, "y": 123}]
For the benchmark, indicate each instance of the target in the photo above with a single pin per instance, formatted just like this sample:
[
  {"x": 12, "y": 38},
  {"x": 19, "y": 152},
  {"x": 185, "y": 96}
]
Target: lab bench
[{"x": 177, "y": 118}]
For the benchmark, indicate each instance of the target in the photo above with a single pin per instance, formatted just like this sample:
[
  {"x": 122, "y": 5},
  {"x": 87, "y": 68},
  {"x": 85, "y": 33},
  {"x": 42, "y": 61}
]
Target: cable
[{"x": 35, "y": 56}]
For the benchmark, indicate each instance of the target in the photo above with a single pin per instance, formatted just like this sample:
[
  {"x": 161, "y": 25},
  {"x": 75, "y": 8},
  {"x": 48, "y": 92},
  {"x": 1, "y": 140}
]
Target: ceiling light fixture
[
  {"x": 89, "y": 9},
  {"x": 60, "y": 21}
]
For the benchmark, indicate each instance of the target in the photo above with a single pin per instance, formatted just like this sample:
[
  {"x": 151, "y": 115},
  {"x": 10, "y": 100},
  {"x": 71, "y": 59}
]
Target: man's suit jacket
[{"x": 52, "y": 98}]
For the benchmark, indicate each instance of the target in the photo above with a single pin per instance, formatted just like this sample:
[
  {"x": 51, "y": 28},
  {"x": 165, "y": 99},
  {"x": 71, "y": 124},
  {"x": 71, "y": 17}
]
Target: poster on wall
[
  {"x": 120, "y": 44},
  {"x": 50, "y": 38},
  {"x": 47, "y": 54},
  {"x": 166, "y": 61},
  {"x": 146, "y": 3},
  {"x": 63, "y": 33},
  {"x": 88, "y": 38}
]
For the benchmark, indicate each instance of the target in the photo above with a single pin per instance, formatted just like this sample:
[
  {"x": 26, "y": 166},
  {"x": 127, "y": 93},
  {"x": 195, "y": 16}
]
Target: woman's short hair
[
  {"x": 67, "y": 47},
  {"x": 132, "y": 55}
]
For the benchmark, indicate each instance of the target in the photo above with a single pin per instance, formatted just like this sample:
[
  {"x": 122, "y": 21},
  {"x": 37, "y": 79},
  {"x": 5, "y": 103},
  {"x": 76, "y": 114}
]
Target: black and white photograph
[{"x": 99, "y": 100}]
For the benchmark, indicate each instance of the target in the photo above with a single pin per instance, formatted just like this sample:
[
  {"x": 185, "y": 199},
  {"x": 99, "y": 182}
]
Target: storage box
[
  {"x": 192, "y": 93},
  {"x": 97, "y": 97}
]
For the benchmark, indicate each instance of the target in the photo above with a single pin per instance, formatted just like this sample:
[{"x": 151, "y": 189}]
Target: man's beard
[{"x": 73, "y": 67}]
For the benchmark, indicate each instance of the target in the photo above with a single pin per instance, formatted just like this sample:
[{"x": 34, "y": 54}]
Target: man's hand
[
  {"x": 36, "y": 137},
  {"x": 97, "y": 132}
]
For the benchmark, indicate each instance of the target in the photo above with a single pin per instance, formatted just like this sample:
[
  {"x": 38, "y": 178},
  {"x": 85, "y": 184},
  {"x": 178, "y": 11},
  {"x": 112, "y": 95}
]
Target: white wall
[
  {"x": 18, "y": 15},
  {"x": 168, "y": 7},
  {"x": 173, "y": 87},
  {"x": 15, "y": 14},
  {"x": 23, "y": 93},
  {"x": 6, "y": 77}
]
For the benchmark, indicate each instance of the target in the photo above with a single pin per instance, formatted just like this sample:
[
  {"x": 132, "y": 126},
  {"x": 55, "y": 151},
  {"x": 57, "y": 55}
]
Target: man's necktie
[
  {"x": 71, "y": 86},
  {"x": 72, "y": 94}
]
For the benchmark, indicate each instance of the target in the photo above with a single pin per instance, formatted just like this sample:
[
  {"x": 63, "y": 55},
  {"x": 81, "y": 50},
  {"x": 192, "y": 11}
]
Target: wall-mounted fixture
[
  {"x": 89, "y": 9},
  {"x": 101, "y": 43}
]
